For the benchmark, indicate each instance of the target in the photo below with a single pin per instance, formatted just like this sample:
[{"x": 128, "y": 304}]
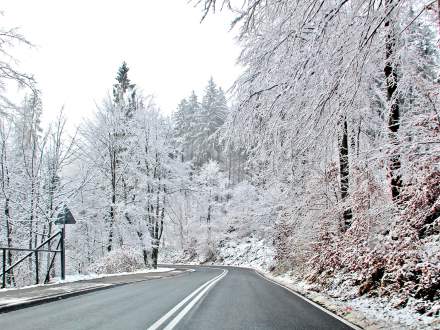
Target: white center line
[
  {"x": 156, "y": 325},
  {"x": 188, "y": 307}
]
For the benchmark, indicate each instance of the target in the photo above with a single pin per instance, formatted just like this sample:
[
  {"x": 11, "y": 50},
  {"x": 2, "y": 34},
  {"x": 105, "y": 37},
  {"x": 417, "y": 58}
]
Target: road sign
[{"x": 65, "y": 217}]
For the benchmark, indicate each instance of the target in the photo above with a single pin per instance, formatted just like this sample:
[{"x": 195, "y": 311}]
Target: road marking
[
  {"x": 309, "y": 301},
  {"x": 191, "y": 304},
  {"x": 163, "y": 319}
]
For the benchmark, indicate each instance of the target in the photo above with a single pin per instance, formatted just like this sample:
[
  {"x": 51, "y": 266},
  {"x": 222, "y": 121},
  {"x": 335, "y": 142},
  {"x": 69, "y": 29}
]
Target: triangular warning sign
[{"x": 65, "y": 217}]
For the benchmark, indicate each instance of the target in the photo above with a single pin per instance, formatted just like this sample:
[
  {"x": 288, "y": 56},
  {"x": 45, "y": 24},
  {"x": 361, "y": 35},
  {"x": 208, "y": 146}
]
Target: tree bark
[
  {"x": 344, "y": 171},
  {"x": 155, "y": 255},
  {"x": 5, "y": 187},
  {"x": 391, "y": 81},
  {"x": 10, "y": 276},
  {"x": 113, "y": 199}
]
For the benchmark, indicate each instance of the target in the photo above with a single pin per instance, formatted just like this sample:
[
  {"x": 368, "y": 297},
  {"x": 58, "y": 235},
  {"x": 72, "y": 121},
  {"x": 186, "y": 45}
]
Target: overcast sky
[{"x": 81, "y": 44}]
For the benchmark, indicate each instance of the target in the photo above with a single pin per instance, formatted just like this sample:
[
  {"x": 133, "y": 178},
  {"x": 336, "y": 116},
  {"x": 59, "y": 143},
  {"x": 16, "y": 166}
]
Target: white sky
[{"x": 81, "y": 44}]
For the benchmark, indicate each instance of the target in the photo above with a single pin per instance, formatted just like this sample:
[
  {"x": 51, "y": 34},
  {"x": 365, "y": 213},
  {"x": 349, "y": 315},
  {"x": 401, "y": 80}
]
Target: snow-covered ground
[
  {"x": 367, "y": 312},
  {"x": 80, "y": 277},
  {"x": 250, "y": 252},
  {"x": 91, "y": 276}
]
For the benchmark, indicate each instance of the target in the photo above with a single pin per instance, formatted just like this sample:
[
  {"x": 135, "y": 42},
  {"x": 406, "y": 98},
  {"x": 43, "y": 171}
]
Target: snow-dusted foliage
[
  {"x": 325, "y": 166},
  {"x": 197, "y": 125},
  {"x": 216, "y": 222},
  {"x": 131, "y": 168},
  {"x": 33, "y": 190},
  {"x": 10, "y": 74},
  {"x": 338, "y": 108},
  {"x": 115, "y": 175},
  {"x": 118, "y": 261}
]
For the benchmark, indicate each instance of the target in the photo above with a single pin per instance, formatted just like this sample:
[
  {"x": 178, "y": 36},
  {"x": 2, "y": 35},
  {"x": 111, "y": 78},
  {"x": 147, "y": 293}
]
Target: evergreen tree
[
  {"x": 196, "y": 125},
  {"x": 185, "y": 124},
  {"x": 123, "y": 82},
  {"x": 210, "y": 119},
  {"x": 180, "y": 119},
  {"x": 194, "y": 109},
  {"x": 124, "y": 92}
]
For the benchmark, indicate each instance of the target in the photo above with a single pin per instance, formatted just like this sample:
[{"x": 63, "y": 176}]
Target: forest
[{"x": 322, "y": 161}]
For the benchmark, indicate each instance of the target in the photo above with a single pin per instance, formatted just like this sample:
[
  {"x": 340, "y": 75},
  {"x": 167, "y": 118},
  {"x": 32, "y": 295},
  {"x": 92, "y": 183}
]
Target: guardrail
[{"x": 59, "y": 249}]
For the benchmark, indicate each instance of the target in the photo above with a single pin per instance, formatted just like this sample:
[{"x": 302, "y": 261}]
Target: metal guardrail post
[
  {"x": 62, "y": 251},
  {"x": 4, "y": 269},
  {"x": 63, "y": 254},
  {"x": 46, "y": 280},
  {"x": 36, "y": 268}
]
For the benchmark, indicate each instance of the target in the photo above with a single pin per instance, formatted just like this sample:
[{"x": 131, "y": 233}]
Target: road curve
[{"x": 207, "y": 298}]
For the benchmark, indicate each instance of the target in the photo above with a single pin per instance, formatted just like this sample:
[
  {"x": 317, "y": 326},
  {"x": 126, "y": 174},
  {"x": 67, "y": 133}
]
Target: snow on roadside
[
  {"x": 12, "y": 301},
  {"x": 91, "y": 276},
  {"x": 366, "y": 312}
]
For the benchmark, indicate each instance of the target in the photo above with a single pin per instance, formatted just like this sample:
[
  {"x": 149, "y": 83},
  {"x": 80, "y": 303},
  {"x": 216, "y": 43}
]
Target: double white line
[{"x": 199, "y": 292}]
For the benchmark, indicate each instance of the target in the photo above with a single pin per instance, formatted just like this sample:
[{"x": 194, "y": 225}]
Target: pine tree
[
  {"x": 209, "y": 120},
  {"x": 124, "y": 92},
  {"x": 196, "y": 125},
  {"x": 181, "y": 123},
  {"x": 123, "y": 82},
  {"x": 186, "y": 125}
]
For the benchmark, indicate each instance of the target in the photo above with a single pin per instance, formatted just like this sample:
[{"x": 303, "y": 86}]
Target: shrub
[{"x": 118, "y": 261}]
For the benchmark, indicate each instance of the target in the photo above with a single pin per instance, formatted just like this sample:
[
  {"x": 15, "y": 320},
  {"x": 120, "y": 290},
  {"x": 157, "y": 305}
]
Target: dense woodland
[
  {"x": 326, "y": 152},
  {"x": 338, "y": 107}
]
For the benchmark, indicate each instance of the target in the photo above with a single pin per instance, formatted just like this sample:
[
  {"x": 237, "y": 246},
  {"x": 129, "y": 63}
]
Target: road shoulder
[
  {"x": 15, "y": 299},
  {"x": 350, "y": 322}
]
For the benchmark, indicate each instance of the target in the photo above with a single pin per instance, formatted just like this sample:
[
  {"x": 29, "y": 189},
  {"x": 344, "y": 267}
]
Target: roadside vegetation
[{"x": 322, "y": 162}]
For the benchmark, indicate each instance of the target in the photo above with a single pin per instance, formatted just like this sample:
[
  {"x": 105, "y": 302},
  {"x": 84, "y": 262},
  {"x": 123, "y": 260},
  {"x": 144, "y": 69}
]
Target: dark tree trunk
[
  {"x": 140, "y": 235},
  {"x": 154, "y": 256},
  {"x": 5, "y": 186},
  {"x": 145, "y": 255},
  {"x": 391, "y": 81},
  {"x": 344, "y": 171},
  {"x": 10, "y": 276},
  {"x": 110, "y": 233},
  {"x": 208, "y": 221},
  {"x": 113, "y": 201}
]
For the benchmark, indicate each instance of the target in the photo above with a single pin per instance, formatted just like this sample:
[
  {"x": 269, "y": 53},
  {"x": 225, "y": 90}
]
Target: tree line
[{"x": 338, "y": 107}]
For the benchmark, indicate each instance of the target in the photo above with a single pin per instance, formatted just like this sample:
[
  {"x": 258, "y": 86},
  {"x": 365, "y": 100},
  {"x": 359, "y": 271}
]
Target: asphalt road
[{"x": 208, "y": 298}]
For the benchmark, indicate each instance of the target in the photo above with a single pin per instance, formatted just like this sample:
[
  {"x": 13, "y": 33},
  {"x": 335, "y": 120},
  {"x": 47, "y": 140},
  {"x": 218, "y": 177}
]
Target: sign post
[{"x": 64, "y": 218}]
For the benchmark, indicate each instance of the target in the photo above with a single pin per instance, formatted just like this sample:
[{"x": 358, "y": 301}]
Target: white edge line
[
  {"x": 310, "y": 301},
  {"x": 170, "y": 313},
  {"x": 191, "y": 304},
  {"x": 346, "y": 322}
]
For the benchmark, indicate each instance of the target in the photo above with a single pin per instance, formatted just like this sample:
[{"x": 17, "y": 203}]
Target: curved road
[{"x": 207, "y": 298}]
